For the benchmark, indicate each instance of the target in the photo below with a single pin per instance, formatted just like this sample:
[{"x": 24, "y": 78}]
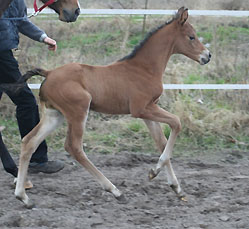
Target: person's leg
[
  {"x": 27, "y": 113},
  {"x": 8, "y": 163}
]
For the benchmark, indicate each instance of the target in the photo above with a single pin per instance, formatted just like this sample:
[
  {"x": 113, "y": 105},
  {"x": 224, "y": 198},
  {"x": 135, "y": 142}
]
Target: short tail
[
  {"x": 34, "y": 72},
  {"x": 14, "y": 88}
]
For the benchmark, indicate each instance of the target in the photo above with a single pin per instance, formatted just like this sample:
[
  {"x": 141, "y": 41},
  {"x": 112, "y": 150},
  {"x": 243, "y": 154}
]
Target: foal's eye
[{"x": 191, "y": 38}]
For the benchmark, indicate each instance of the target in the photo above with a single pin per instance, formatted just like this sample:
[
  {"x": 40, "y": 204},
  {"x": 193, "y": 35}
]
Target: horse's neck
[{"x": 156, "y": 52}]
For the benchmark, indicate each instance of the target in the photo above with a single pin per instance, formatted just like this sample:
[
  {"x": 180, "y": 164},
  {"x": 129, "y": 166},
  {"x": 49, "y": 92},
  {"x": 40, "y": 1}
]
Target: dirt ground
[{"x": 217, "y": 188}]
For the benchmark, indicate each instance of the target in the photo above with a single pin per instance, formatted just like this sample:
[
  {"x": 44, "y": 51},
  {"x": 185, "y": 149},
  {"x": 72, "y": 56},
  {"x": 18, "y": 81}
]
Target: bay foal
[{"x": 131, "y": 85}]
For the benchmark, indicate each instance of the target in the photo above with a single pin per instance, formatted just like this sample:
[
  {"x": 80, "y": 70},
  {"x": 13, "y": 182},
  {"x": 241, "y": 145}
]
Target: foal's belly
[{"x": 110, "y": 106}]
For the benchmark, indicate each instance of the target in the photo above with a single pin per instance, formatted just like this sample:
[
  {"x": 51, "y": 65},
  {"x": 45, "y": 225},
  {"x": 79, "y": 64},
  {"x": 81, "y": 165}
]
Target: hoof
[
  {"x": 152, "y": 174},
  {"x": 180, "y": 194},
  {"x": 28, "y": 185},
  {"x": 122, "y": 199},
  {"x": 183, "y": 198},
  {"x": 174, "y": 188},
  {"x": 26, "y": 201},
  {"x": 28, "y": 205}
]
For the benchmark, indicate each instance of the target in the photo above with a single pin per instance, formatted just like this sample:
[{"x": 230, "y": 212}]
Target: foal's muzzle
[{"x": 205, "y": 57}]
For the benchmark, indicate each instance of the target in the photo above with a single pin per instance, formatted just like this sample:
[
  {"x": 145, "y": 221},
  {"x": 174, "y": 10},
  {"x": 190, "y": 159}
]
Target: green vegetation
[
  {"x": 193, "y": 78},
  {"x": 135, "y": 126},
  {"x": 134, "y": 40},
  {"x": 79, "y": 40},
  {"x": 230, "y": 33},
  {"x": 221, "y": 121},
  {"x": 206, "y": 35}
]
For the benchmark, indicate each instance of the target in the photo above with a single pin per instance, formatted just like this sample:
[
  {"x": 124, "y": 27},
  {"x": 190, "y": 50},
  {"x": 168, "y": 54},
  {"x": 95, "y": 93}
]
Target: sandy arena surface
[{"x": 217, "y": 189}]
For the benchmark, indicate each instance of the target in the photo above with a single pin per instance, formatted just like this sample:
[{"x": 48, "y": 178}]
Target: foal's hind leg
[
  {"x": 74, "y": 146},
  {"x": 157, "y": 134},
  {"x": 156, "y": 114},
  {"x": 49, "y": 121}
]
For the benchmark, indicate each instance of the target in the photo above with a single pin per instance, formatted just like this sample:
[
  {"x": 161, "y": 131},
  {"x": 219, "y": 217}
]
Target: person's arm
[{"x": 27, "y": 28}]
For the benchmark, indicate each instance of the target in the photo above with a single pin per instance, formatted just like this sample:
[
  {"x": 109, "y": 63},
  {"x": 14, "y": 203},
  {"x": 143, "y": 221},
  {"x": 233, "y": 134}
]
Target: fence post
[{"x": 144, "y": 21}]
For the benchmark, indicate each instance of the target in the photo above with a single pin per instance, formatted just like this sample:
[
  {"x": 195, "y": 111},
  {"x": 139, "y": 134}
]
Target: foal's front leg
[{"x": 152, "y": 115}]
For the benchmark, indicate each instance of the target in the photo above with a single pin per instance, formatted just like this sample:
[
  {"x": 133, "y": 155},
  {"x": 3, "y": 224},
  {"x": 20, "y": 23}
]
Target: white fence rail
[
  {"x": 231, "y": 13},
  {"x": 190, "y": 86},
  {"x": 216, "y": 13}
]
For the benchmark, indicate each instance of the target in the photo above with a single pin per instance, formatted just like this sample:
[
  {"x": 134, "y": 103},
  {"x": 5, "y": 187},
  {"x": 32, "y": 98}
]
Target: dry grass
[{"x": 221, "y": 121}]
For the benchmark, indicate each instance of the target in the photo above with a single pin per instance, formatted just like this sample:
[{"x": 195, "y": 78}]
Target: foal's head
[
  {"x": 68, "y": 10},
  {"x": 186, "y": 41}
]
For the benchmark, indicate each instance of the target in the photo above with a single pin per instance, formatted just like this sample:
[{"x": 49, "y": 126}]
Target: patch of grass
[
  {"x": 194, "y": 78},
  {"x": 79, "y": 40},
  {"x": 135, "y": 126},
  {"x": 220, "y": 81},
  {"x": 224, "y": 33},
  {"x": 228, "y": 33},
  {"x": 10, "y": 135},
  {"x": 134, "y": 40},
  {"x": 206, "y": 35},
  {"x": 166, "y": 131}
]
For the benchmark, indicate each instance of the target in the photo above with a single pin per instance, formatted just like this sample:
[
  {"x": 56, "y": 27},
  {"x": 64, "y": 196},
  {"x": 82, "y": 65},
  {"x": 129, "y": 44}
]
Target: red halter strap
[{"x": 48, "y": 3}]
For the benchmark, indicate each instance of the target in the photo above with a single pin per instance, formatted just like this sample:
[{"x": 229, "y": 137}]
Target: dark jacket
[{"x": 9, "y": 28}]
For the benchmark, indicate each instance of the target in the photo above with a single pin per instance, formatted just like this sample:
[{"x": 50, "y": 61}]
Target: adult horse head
[{"x": 68, "y": 10}]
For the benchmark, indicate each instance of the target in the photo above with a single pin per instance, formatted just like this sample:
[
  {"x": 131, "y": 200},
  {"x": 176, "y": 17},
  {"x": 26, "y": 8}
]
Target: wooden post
[{"x": 144, "y": 21}]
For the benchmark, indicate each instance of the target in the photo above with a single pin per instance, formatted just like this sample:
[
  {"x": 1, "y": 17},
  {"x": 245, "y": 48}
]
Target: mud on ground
[{"x": 217, "y": 188}]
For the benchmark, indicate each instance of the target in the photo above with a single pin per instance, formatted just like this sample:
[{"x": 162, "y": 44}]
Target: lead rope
[{"x": 38, "y": 10}]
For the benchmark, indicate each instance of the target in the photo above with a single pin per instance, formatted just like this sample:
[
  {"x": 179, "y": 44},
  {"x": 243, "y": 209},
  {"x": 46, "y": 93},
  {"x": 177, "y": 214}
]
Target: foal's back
[{"x": 110, "y": 87}]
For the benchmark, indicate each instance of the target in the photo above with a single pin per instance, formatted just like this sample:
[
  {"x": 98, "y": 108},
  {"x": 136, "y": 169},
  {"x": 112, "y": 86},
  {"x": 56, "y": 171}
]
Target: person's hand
[{"x": 51, "y": 43}]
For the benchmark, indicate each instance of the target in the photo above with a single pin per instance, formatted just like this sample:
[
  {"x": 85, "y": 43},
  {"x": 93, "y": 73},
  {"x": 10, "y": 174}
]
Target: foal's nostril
[
  {"x": 77, "y": 12},
  {"x": 209, "y": 55}
]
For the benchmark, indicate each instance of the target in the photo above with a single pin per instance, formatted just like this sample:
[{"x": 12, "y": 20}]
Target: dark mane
[{"x": 147, "y": 37}]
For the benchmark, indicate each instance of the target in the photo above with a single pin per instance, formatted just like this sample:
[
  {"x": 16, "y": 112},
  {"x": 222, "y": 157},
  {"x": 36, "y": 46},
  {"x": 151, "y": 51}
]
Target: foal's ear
[{"x": 182, "y": 15}]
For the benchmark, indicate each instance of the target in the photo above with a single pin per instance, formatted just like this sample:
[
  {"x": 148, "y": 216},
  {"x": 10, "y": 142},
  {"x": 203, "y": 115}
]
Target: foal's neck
[{"x": 155, "y": 53}]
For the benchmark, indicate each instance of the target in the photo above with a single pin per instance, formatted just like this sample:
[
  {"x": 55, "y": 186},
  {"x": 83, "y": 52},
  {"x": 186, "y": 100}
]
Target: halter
[{"x": 38, "y": 10}]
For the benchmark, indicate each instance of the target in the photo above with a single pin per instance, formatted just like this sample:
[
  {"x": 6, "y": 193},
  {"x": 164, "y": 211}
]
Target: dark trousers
[
  {"x": 27, "y": 113},
  {"x": 8, "y": 163}
]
